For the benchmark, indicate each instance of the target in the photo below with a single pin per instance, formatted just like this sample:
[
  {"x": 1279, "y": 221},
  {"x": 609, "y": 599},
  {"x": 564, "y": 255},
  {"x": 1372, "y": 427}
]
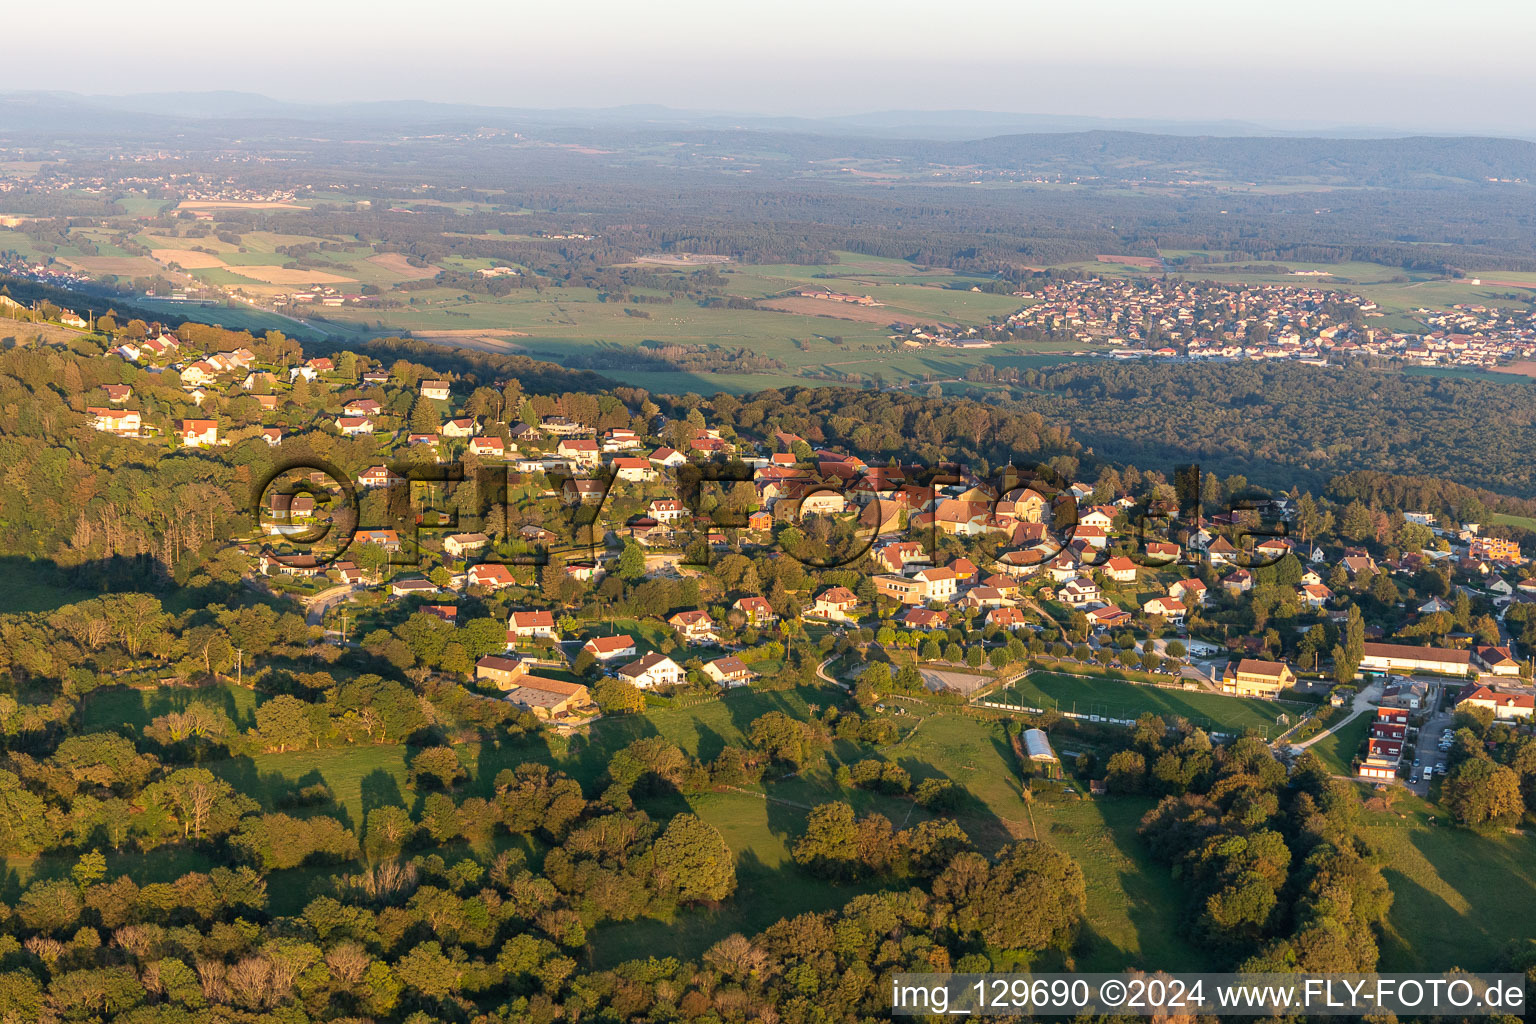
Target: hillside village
[{"x": 945, "y": 581}]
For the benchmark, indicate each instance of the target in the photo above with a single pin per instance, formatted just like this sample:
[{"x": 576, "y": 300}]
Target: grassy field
[
  {"x": 1115, "y": 699},
  {"x": 37, "y": 591},
  {"x": 1337, "y": 749},
  {"x": 1459, "y": 898},
  {"x": 1525, "y": 522},
  {"x": 120, "y": 707}
]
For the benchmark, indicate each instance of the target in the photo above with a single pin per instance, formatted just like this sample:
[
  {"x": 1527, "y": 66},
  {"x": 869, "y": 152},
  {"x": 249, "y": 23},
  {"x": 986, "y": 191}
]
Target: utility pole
[{"x": 240, "y": 666}]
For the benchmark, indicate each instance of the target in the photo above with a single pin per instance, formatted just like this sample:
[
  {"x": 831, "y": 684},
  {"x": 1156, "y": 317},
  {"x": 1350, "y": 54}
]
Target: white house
[{"x": 652, "y": 671}]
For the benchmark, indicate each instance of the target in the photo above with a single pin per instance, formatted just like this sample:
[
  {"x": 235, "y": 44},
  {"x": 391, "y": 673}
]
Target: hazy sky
[{"x": 1400, "y": 63}]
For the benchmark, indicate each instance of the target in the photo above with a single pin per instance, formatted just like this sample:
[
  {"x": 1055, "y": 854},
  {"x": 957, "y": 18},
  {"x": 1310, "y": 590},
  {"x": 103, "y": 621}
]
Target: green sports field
[{"x": 1112, "y": 698}]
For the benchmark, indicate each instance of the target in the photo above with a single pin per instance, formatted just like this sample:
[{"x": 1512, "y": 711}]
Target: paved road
[{"x": 317, "y": 606}]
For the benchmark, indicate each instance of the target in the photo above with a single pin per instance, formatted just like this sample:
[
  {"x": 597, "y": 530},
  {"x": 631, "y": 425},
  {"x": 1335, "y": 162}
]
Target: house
[
  {"x": 386, "y": 539},
  {"x": 576, "y": 491},
  {"x": 362, "y": 407},
  {"x": 984, "y": 597},
  {"x": 1497, "y": 661},
  {"x": 1407, "y": 693},
  {"x": 1108, "y": 617},
  {"x": 412, "y": 588},
  {"x": 1080, "y": 592},
  {"x": 606, "y": 648},
  {"x": 117, "y": 394},
  {"x": 835, "y": 603},
  {"x": 1505, "y": 706},
  {"x": 1098, "y": 517},
  {"x": 200, "y": 372},
  {"x": 580, "y": 450},
  {"x": 821, "y": 502},
  {"x": 1007, "y": 618},
  {"x": 351, "y": 426},
  {"x": 1190, "y": 591},
  {"x": 1090, "y": 536},
  {"x": 667, "y": 510},
  {"x": 1170, "y": 608},
  {"x": 272, "y": 435},
  {"x": 1162, "y": 552},
  {"x": 695, "y": 625},
  {"x": 757, "y": 610},
  {"x": 1401, "y": 658},
  {"x": 1238, "y": 581},
  {"x": 1220, "y": 552},
  {"x": 620, "y": 439},
  {"x": 1252, "y": 677},
  {"x": 729, "y": 671},
  {"x": 379, "y": 476},
  {"x": 1063, "y": 568},
  {"x": 1005, "y": 585},
  {"x": 759, "y": 520},
  {"x": 963, "y": 568},
  {"x": 199, "y": 433},
  {"x": 1357, "y": 565},
  {"x": 302, "y": 566},
  {"x": 559, "y": 426},
  {"x": 492, "y": 577},
  {"x": 667, "y": 458},
  {"x": 925, "y": 618},
  {"x": 459, "y": 428},
  {"x": 1119, "y": 569},
  {"x": 895, "y": 557},
  {"x": 538, "y": 625},
  {"x": 1314, "y": 595},
  {"x": 447, "y": 612},
  {"x": 347, "y": 572},
  {"x": 652, "y": 671},
  {"x": 901, "y": 589},
  {"x": 460, "y": 544},
  {"x": 437, "y": 390},
  {"x": 633, "y": 470},
  {"x": 939, "y": 584},
  {"x": 124, "y": 423},
  {"x": 489, "y": 447}
]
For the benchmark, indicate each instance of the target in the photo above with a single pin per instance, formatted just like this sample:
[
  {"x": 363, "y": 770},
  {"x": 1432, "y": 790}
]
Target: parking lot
[{"x": 1427, "y": 755}]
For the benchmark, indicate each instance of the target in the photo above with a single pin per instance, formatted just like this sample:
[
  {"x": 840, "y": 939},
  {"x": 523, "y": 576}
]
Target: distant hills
[{"x": 1027, "y": 144}]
